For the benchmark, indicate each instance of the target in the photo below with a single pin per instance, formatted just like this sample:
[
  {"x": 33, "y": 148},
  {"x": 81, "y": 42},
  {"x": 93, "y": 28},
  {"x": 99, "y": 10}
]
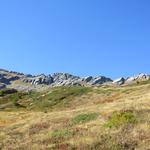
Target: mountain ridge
[{"x": 23, "y": 81}]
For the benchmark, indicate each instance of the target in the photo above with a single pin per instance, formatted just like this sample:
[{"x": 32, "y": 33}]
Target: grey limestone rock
[
  {"x": 139, "y": 77},
  {"x": 119, "y": 81}
]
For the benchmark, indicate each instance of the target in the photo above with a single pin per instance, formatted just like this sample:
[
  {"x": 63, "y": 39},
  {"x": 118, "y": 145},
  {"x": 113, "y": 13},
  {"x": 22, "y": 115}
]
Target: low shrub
[
  {"x": 36, "y": 128},
  {"x": 83, "y": 118},
  {"x": 118, "y": 119}
]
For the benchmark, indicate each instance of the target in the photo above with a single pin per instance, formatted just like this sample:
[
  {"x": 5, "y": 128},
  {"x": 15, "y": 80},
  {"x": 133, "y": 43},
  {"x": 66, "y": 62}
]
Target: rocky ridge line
[{"x": 7, "y": 78}]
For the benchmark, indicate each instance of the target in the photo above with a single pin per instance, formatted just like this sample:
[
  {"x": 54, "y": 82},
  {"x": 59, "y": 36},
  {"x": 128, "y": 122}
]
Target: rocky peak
[
  {"x": 87, "y": 79},
  {"x": 7, "y": 78},
  {"x": 42, "y": 79},
  {"x": 100, "y": 80},
  {"x": 139, "y": 77},
  {"x": 63, "y": 76},
  {"x": 119, "y": 81}
]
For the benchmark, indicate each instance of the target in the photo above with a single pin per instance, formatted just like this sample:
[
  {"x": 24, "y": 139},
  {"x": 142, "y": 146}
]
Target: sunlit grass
[{"x": 79, "y": 118}]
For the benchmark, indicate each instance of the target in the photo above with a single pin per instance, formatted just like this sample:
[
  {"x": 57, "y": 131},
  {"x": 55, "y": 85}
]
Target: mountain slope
[{"x": 107, "y": 117}]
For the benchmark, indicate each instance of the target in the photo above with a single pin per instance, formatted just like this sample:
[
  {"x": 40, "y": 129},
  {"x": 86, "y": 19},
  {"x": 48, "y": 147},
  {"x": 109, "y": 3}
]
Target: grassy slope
[{"x": 107, "y": 118}]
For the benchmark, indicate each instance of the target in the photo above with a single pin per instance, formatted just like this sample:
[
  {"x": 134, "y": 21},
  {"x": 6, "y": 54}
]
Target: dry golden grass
[{"x": 38, "y": 130}]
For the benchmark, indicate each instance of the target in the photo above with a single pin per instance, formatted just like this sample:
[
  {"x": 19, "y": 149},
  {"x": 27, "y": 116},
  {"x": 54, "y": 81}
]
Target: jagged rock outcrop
[
  {"x": 139, "y": 77},
  {"x": 119, "y": 81},
  {"x": 2, "y": 86},
  {"x": 87, "y": 79},
  {"x": 7, "y": 79},
  {"x": 29, "y": 82},
  {"x": 42, "y": 79},
  {"x": 4, "y": 80},
  {"x": 100, "y": 80},
  {"x": 96, "y": 80},
  {"x": 61, "y": 77},
  {"x": 64, "y": 79},
  {"x": 17, "y": 73}
]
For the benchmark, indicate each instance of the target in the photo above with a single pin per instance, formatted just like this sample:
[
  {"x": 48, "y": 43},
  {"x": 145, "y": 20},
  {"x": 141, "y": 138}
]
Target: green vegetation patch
[
  {"x": 83, "y": 118},
  {"x": 61, "y": 134},
  {"x": 107, "y": 90},
  {"x": 60, "y": 97},
  {"x": 122, "y": 118},
  {"x": 10, "y": 98},
  {"x": 56, "y": 98},
  {"x": 65, "y": 92}
]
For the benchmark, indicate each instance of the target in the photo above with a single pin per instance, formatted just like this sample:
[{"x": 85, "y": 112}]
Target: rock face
[
  {"x": 7, "y": 79},
  {"x": 29, "y": 82},
  {"x": 61, "y": 79},
  {"x": 119, "y": 81},
  {"x": 96, "y": 80},
  {"x": 57, "y": 79},
  {"x": 88, "y": 79},
  {"x": 100, "y": 80},
  {"x": 42, "y": 79},
  {"x": 139, "y": 77},
  {"x": 2, "y": 86}
]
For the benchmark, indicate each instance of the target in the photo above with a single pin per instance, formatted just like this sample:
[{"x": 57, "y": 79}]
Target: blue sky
[{"x": 82, "y": 37}]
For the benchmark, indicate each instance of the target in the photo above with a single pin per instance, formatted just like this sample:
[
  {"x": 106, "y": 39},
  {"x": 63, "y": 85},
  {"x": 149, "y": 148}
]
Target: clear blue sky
[{"x": 82, "y": 37}]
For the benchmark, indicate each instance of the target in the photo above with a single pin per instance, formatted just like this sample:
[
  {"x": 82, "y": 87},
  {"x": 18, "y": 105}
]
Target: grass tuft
[
  {"x": 58, "y": 134},
  {"x": 83, "y": 118}
]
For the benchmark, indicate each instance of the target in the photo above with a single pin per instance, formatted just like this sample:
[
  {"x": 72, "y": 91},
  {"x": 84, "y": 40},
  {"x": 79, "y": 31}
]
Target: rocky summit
[{"x": 20, "y": 81}]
